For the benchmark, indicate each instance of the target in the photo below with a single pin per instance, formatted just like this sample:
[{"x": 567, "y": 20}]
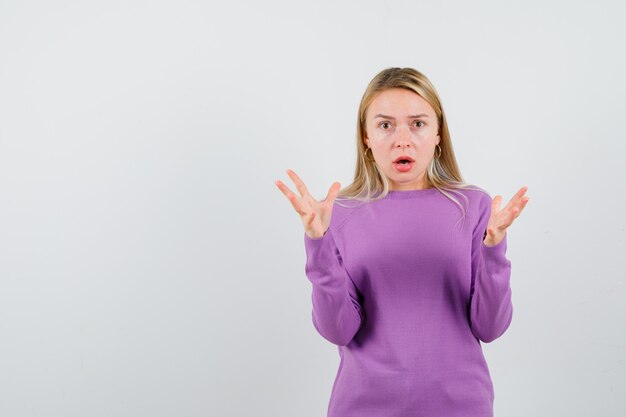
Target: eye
[
  {"x": 384, "y": 125},
  {"x": 418, "y": 121}
]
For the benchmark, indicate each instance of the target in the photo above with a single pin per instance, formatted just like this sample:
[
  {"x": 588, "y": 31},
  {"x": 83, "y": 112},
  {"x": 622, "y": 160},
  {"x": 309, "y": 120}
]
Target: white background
[{"x": 150, "y": 267}]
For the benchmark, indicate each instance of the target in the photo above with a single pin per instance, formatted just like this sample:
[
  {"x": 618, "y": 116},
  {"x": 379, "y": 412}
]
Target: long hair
[{"x": 370, "y": 183}]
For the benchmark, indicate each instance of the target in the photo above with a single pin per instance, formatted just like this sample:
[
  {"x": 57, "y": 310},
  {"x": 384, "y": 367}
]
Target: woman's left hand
[{"x": 500, "y": 220}]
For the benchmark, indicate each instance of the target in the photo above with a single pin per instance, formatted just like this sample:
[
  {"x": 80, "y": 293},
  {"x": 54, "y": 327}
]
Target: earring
[
  {"x": 438, "y": 147},
  {"x": 368, "y": 158}
]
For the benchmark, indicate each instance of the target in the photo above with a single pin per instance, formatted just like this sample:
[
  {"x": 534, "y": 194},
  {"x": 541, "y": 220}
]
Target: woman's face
[{"x": 399, "y": 123}]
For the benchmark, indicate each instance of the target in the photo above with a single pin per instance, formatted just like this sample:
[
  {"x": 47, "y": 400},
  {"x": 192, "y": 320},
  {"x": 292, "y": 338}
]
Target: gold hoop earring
[
  {"x": 437, "y": 156},
  {"x": 368, "y": 158}
]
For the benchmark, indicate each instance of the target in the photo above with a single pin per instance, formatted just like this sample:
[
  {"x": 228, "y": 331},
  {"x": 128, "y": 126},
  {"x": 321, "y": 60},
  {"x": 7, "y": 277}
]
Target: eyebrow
[{"x": 410, "y": 117}]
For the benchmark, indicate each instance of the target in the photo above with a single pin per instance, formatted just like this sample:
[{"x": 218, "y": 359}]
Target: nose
[{"x": 403, "y": 137}]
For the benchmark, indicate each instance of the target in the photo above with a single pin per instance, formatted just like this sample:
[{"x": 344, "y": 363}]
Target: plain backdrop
[{"x": 149, "y": 266}]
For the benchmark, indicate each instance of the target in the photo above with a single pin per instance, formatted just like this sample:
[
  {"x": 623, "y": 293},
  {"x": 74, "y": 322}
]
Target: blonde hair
[{"x": 370, "y": 183}]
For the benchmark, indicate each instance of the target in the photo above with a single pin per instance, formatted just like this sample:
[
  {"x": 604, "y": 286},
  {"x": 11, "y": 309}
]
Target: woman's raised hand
[
  {"x": 501, "y": 219},
  {"x": 315, "y": 215}
]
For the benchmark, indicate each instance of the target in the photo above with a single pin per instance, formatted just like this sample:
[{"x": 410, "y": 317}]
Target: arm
[
  {"x": 337, "y": 314},
  {"x": 491, "y": 308}
]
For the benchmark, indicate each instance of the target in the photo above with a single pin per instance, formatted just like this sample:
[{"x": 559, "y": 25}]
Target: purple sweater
[{"x": 407, "y": 291}]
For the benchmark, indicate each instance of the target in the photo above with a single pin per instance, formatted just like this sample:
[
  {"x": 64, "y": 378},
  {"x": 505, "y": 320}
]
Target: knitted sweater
[{"x": 407, "y": 290}]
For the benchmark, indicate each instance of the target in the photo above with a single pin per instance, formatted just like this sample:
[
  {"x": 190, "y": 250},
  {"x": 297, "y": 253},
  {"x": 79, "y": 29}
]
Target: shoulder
[
  {"x": 343, "y": 210},
  {"x": 476, "y": 195},
  {"x": 478, "y": 201},
  {"x": 479, "y": 207}
]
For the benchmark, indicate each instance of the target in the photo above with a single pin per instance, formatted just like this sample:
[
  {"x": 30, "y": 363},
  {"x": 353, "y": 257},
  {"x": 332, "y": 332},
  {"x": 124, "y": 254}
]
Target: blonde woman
[{"x": 408, "y": 263}]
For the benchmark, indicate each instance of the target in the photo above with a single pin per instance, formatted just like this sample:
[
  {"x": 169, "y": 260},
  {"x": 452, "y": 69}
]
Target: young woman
[{"x": 408, "y": 263}]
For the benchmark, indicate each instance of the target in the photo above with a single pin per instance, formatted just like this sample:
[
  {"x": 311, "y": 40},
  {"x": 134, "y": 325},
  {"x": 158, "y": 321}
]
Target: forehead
[{"x": 399, "y": 102}]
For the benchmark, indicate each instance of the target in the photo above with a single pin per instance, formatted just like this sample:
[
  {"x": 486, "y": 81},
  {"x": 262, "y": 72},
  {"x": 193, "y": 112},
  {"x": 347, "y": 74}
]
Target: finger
[
  {"x": 495, "y": 204},
  {"x": 514, "y": 212},
  {"x": 502, "y": 221},
  {"x": 510, "y": 215},
  {"x": 299, "y": 183},
  {"x": 293, "y": 198},
  {"x": 521, "y": 206},
  {"x": 333, "y": 192},
  {"x": 518, "y": 201},
  {"x": 517, "y": 198}
]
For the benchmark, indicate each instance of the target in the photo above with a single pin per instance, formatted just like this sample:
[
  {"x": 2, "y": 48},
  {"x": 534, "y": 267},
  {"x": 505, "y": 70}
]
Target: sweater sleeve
[
  {"x": 337, "y": 314},
  {"x": 491, "y": 308}
]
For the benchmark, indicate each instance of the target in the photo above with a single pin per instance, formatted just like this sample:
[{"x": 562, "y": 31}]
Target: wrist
[
  {"x": 493, "y": 240},
  {"x": 316, "y": 236}
]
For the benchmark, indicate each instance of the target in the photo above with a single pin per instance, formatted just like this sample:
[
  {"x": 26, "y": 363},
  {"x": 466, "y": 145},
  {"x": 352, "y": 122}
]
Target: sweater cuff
[
  {"x": 309, "y": 241},
  {"x": 495, "y": 252}
]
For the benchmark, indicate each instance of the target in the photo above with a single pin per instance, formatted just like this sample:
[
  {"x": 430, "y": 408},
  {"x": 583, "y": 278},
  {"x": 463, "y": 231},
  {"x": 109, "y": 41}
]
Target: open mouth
[
  {"x": 403, "y": 160},
  {"x": 403, "y": 164}
]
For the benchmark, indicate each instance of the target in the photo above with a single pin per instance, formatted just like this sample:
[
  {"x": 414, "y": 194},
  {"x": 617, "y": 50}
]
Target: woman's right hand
[{"x": 315, "y": 215}]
